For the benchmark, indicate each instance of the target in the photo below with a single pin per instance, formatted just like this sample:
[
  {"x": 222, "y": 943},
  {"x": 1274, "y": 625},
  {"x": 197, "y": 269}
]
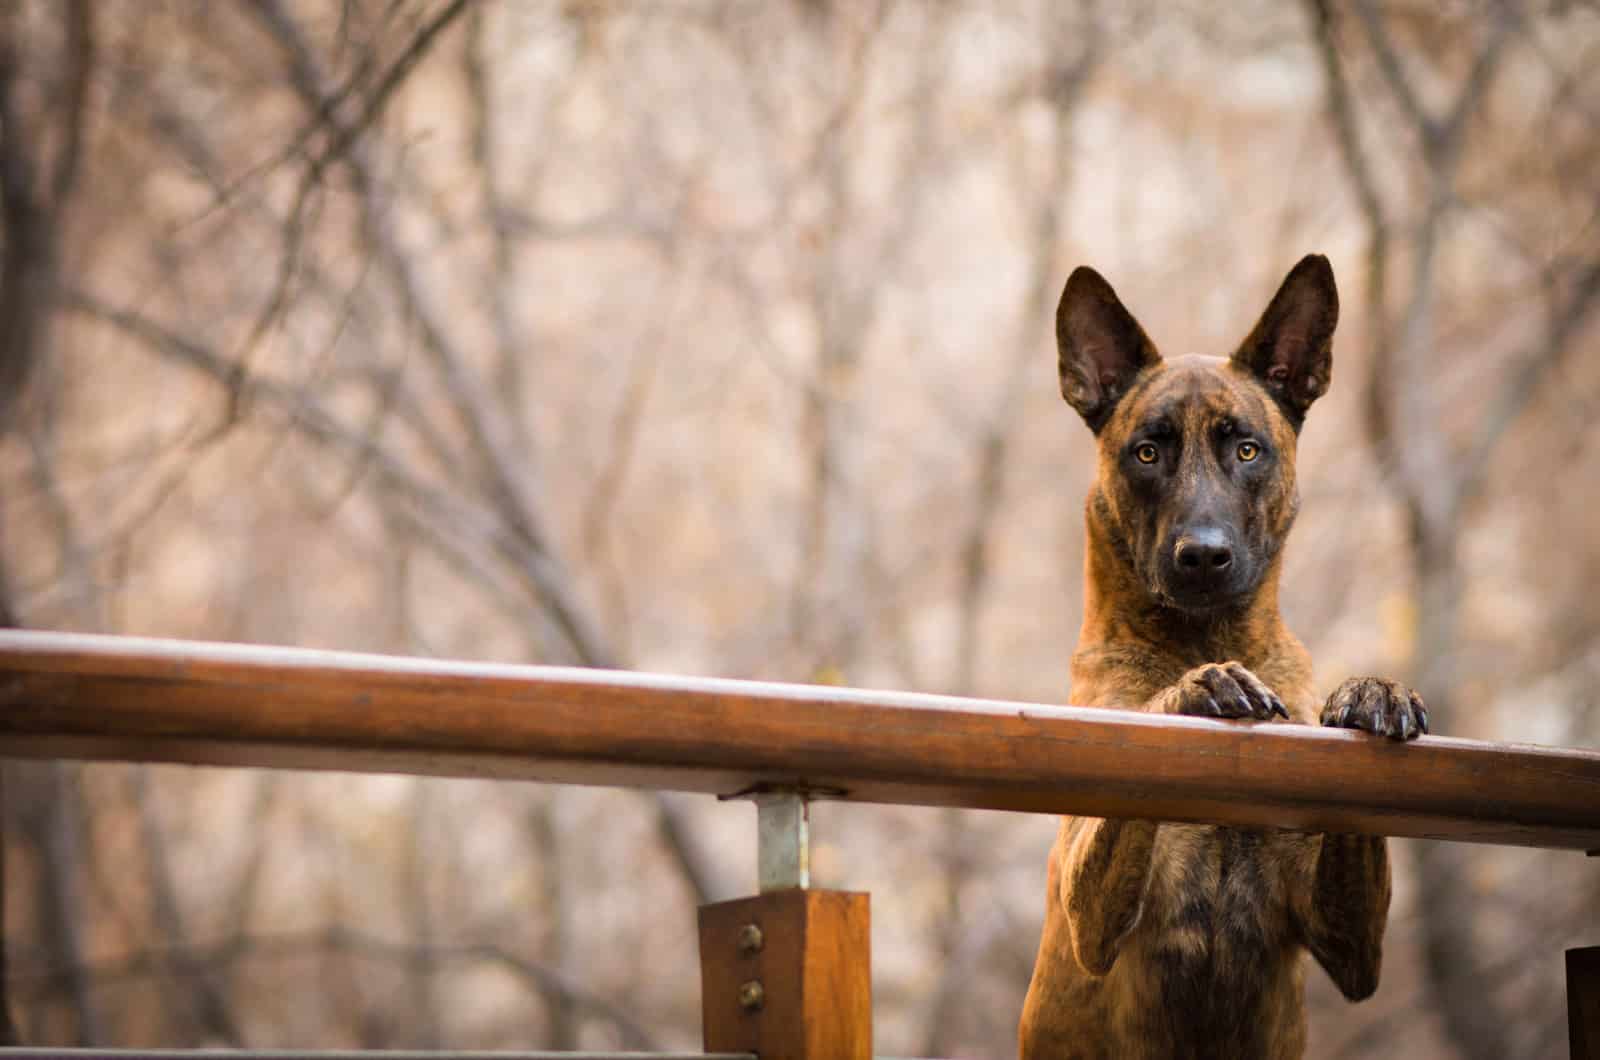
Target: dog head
[{"x": 1196, "y": 485}]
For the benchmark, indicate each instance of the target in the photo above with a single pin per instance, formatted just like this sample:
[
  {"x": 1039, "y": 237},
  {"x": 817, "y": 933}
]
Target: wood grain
[
  {"x": 814, "y": 965},
  {"x": 87, "y": 697}
]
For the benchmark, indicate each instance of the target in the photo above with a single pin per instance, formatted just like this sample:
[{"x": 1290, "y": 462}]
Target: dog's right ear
[
  {"x": 1290, "y": 350},
  {"x": 1102, "y": 348}
]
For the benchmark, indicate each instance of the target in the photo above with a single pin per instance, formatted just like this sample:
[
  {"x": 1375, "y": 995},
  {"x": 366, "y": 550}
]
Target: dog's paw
[
  {"x": 1224, "y": 690},
  {"x": 1374, "y": 705}
]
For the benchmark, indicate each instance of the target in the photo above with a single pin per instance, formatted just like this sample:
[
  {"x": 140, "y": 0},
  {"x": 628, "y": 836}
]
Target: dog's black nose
[{"x": 1203, "y": 552}]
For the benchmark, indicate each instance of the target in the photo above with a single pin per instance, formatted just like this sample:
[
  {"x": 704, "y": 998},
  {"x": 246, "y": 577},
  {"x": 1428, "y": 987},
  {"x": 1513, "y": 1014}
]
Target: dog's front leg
[
  {"x": 1104, "y": 865},
  {"x": 1105, "y": 870},
  {"x": 1343, "y": 910}
]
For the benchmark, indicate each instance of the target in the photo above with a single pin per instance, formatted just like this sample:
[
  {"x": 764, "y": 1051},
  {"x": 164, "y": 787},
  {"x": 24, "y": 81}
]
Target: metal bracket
[
  {"x": 783, "y": 841},
  {"x": 783, "y": 831}
]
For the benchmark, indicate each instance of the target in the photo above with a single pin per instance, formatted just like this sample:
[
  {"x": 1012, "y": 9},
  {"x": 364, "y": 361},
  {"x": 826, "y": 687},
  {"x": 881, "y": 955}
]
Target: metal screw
[
  {"x": 752, "y": 995},
  {"x": 750, "y": 939}
]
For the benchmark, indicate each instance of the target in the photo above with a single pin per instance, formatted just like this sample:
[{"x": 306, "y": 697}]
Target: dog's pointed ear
[
  {"x": 1102, "y": 348},
  {"x": 1291, "y": 348}
]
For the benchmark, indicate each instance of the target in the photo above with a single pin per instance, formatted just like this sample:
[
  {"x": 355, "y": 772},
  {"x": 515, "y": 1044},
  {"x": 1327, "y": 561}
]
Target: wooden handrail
[{"x": 130, "y": 699}]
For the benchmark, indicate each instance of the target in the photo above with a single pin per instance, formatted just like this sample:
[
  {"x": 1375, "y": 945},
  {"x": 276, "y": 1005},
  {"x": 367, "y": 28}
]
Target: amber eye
[
  {"x": 1248, "y": 451},
  {"x": 1147, "y": 453}
]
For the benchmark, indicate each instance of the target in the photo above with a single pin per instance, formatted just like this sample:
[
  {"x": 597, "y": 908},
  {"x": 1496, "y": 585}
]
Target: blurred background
[{"x": 714, "y": 337}]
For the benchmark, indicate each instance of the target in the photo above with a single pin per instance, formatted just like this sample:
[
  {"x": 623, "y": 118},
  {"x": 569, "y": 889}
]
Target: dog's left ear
[
  {"x": 1291, "y": 348},
  {"x": 1102, "y": 349}
]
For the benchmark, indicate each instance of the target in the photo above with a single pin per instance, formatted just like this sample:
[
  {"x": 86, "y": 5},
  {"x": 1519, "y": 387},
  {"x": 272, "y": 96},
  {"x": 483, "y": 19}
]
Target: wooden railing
[{"x": 128, "y": 699}]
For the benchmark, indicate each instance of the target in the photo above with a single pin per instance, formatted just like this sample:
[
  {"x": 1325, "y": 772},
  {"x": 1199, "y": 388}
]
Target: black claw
[
  {"x": 1419, "y": 711},
  {"x": 1403, "y": 725},
  {"x": 1279, "y": 709},
  {"x": 1372, "y": 706}
]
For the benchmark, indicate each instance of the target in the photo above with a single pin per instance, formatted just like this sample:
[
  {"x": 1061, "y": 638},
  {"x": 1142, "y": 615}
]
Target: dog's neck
[{"x": 1119, "y": 611}]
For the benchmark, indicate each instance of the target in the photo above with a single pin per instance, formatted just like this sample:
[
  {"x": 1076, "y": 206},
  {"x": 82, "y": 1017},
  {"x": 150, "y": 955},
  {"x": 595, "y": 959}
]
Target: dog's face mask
[{"x": 1197, "y": 487}]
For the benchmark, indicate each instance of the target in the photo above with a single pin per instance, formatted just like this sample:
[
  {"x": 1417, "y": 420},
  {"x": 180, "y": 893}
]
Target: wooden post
[
  {"x": 1583, "y": 1002},
  {"x": 787, "y": 975}
]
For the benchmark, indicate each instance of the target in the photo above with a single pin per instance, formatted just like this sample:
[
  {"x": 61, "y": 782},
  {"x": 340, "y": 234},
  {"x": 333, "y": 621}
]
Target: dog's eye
[
  {"x": 1248, "y": 451},
  {"x": 1147, "y": 453}
]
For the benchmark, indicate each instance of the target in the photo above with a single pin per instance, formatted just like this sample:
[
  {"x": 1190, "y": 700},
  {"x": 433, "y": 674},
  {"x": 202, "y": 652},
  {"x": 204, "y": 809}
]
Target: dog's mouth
[{"x": 1202, "y": 600}]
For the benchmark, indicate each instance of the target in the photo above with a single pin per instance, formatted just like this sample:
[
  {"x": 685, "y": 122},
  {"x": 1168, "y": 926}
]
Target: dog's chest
[{"x": 1211, "y": 927}]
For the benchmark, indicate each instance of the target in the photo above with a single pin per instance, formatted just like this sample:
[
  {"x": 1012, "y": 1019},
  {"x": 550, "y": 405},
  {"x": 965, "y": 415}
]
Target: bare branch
[
  {"x": 31, "y": 220},
  {"x": 486, "y": 426},
  {"x": 1512, "y": 395},
  {"x": 27, "y": 265},
  {"x": 1432, "y": 498},
  {"x": 497, "y": 217},
  {"x": 197, "y": 985},
  {"x": 424, "y": 960},
  {"x": 546, "y": 837},
  {"x": 1340, "y": 111},
  {"x": 48, "y": 802},
  {"x": 1441, "y": 138},
  {"x": 76, "y": 573},
  {"x": 1394, "y": 73},
  {"x": 1452, "y": 132},
  {"x": 80, "y": 56},
  {"x": 463, "y": 534},
  {"x": 341, "y": 940},
  {"x": 343, "y": 134},
  {"x": 835, "y": 520}
]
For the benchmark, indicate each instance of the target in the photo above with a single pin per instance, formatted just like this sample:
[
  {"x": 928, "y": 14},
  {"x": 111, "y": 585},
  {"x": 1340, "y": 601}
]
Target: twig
[
  {"x": 196, "y": 985},
  {"x": 1517, "y": 389}
]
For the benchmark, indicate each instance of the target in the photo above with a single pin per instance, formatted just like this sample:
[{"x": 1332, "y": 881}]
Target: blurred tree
[
  {"x": 40, "y": 164},
  {"x": 1436, "y": 456}
]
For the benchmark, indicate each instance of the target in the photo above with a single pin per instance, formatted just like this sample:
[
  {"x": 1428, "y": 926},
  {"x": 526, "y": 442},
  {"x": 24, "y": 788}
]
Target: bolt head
[
  {"x": 750, "y": 939},
  {"x": 752, "y": 995}
]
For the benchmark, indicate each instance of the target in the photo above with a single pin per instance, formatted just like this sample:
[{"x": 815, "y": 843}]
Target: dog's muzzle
[{"x": 1202, "y": 568}]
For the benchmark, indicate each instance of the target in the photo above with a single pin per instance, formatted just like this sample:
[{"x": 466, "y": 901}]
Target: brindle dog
[{"x": 1173, "y": 940}]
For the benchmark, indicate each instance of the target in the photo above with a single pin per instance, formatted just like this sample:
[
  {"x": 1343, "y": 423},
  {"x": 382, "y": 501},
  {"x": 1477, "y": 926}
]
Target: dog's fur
[{"x": 1168, "y": 940}]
